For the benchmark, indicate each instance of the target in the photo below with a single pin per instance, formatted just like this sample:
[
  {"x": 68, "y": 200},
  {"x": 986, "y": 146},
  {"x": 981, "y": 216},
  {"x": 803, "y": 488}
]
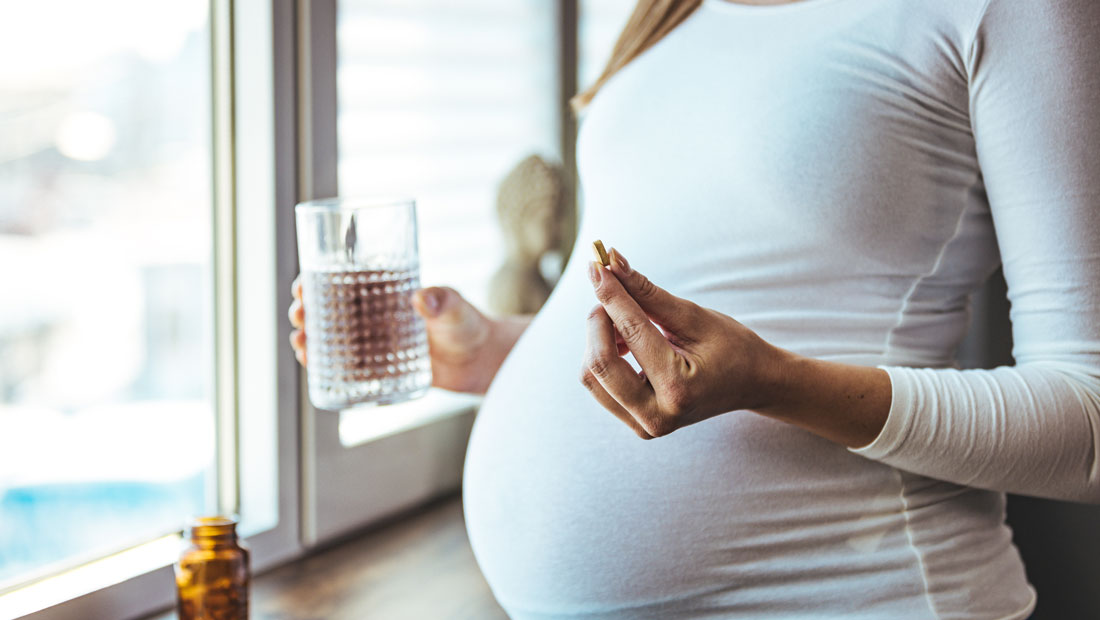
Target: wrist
[
  {"x": 499, "y": 336},
  {"x": 505, "y": 331},
  {"x": 780, "y": 382}
]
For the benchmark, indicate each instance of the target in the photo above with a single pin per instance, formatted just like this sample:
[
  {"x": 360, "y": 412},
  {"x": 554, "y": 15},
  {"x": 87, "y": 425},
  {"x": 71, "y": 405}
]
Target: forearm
[
  {"x": 1030, "y": 429},
  {"x": 844, "y": 403}
]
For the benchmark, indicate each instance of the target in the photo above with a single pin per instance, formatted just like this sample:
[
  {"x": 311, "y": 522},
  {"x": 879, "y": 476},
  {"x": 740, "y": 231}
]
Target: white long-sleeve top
[{"x": 840, "y": 176}]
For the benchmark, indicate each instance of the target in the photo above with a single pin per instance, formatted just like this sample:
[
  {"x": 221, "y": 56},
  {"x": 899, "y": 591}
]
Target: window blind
[{"x": 438, "y": 101}]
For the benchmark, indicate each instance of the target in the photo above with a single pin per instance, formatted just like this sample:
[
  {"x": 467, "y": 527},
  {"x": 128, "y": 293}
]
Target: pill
[{"x": 601, "y": 254}]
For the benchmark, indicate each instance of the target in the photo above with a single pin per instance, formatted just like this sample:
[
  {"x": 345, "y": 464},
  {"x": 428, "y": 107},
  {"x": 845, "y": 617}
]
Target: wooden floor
[{"x": 416, "y": 567}]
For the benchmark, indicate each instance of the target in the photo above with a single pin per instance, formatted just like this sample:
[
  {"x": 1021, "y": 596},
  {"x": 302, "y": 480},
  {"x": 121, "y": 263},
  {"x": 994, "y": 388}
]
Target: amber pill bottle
[{"x": 212, "y": 575}]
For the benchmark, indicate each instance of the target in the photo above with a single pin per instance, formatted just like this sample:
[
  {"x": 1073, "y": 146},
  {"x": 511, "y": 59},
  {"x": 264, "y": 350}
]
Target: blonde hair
[{"x": 649, "y": 23}]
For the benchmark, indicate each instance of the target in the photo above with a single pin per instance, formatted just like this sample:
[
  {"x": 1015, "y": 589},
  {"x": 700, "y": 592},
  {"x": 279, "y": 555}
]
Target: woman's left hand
[{"x": 699, "y": 364}]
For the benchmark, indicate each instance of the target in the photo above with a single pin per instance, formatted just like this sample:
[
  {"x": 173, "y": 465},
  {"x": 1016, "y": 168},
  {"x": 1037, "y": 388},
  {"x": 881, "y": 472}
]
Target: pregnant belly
[{"x": 571, "y": 515}]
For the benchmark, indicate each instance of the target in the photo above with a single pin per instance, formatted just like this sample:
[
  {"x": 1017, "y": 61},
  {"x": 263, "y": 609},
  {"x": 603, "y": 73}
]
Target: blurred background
[{"x": 106, "y": 334}]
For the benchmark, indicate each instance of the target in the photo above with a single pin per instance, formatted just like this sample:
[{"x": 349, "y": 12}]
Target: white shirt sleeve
[{"x": 1034, "y": 76}]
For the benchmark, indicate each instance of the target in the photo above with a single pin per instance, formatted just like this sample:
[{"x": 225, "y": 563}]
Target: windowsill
[
  {"x": 415, "y": 565},
  {"x": 150, "y": 560},
  {"x": 358, "y": 425}
]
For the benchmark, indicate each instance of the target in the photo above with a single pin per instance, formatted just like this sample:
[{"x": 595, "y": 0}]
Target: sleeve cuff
[{"x": 899, "y": 420}]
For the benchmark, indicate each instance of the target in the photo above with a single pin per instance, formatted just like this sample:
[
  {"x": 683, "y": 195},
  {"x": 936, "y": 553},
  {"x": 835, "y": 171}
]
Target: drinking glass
[{"x": 360, "y": 267}]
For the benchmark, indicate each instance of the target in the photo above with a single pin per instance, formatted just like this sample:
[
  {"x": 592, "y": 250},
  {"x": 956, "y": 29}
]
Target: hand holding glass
[{"x": 360, "y": 268}]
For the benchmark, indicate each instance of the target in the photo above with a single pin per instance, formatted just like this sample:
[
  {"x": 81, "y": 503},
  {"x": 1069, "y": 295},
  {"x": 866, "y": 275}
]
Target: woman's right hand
[{"x": 467, "y": 348}]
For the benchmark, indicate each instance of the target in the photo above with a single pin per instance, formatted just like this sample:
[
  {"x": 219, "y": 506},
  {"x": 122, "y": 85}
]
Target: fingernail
[
  {"x": 594, "y": 272},
  {"x": 620, "y": 260},
  {"x": 432, "y": 302}
]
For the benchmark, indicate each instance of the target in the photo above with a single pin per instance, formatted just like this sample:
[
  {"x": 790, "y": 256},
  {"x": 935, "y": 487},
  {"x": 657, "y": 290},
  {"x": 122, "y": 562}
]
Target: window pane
[
  {"x": 438, "y": 100},
  {"x": 106, "y": 415}
]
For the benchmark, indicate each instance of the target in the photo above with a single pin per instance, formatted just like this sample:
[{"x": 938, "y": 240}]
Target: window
[
  {"x": 438, "y": 101},
  {"x": 141, "y": 342},
  {"x": 106, "y": 330}
]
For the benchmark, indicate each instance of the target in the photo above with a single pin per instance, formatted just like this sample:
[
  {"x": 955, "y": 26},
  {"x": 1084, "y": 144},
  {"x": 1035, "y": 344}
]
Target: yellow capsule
[{"x": 601, "y": 254}]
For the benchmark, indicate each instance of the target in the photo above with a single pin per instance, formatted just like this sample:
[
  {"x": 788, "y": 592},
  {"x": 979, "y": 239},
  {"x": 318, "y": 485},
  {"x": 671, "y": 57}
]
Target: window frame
[{"x": 335, "y": 499}]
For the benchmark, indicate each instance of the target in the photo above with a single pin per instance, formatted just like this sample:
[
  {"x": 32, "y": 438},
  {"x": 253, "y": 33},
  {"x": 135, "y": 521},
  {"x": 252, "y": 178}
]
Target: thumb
[
  {"x": 673, "y": 313},
  {"x": 443, "y": 307}
]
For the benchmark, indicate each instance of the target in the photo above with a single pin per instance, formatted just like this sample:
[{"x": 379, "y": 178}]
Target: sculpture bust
[{"x": 530, "y": 205}]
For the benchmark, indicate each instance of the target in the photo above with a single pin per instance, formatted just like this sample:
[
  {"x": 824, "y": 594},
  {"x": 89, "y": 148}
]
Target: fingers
[
  {"x": 297, "y": 314},
  {"x": 621, "y": 389},
  {"x": 449, "y": 316},
  {"x": 428, "y": 302},
  {"x": 593, "y": 385},
  {"x": 645, "y": 341},
  {"x": 620, "y": 346},
  {"x": 671, "y": 312},
  {"x": 298, "y": 343}
]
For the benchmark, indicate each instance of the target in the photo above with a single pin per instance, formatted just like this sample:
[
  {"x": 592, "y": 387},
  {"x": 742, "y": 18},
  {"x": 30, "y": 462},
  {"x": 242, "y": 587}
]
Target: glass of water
[{"x": 360, "y": 267}]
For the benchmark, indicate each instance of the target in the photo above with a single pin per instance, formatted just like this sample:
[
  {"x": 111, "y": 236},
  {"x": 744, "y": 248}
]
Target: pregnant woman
[{"x": 768, "y": 423}]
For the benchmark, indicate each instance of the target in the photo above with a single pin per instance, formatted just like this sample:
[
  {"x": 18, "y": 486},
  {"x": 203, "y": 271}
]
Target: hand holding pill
[{"x": 696, "y": 363}]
